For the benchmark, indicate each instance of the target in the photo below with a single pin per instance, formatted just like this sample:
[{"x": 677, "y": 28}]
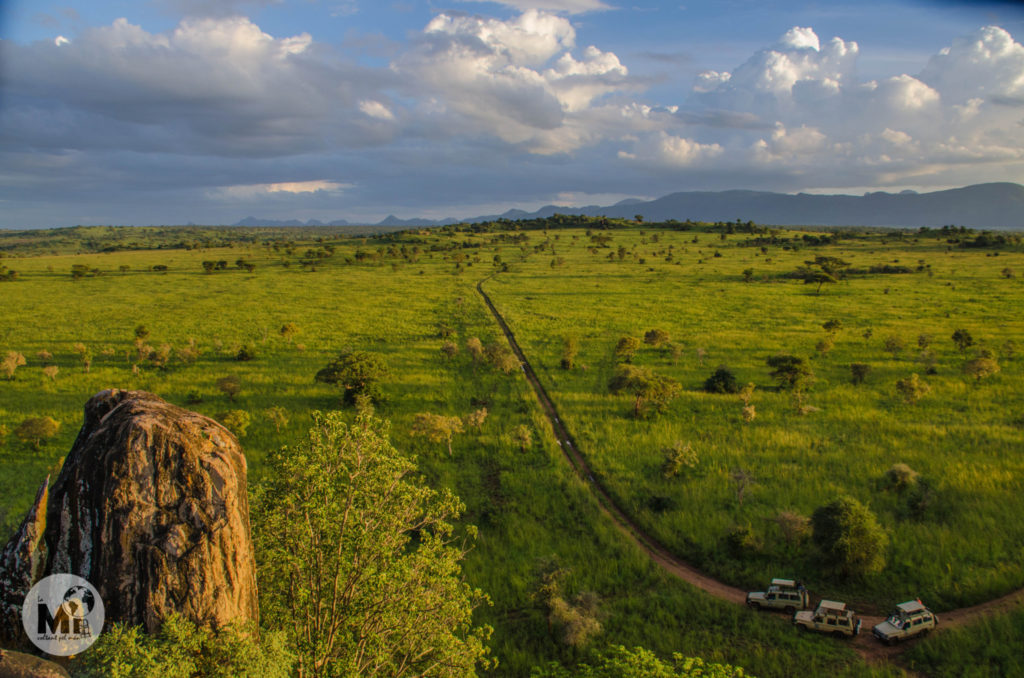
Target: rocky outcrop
[
  {"x": 151, "y": 507},
  {"x": 22, "y": 563}
]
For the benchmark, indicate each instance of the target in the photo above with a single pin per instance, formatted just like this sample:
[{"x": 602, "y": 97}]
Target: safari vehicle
[
  {"x": 782, "y": 594},
  {"x": 830, "y": 617},
  {"x": 909, "y": 619}
]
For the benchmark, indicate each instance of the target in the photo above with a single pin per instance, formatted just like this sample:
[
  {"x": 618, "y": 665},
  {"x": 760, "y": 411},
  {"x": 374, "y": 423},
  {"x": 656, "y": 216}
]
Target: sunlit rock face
[{"x": 151, "y": 507}]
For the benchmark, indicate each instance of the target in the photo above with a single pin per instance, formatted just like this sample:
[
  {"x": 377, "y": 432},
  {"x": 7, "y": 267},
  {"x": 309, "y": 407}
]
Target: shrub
[
  {"x": 912, "y": 389},
  {"x": 679, "y": 459},
  {"x": 626, "y": 348},
  {"x": 741, "y": 541},
  {"x": 230, "y": 386},
  {"x": 722, "y": 381},
  {"x": 11, "y": 362},
  {"x": 859, "y": 372},
  {"x": 900, "y": 476},
  {"x": 656, "y": 338},
  {"x": 850, "y": 538},
  {"x": 357, "y": 373},
  {"x": 236, "y": 421}
]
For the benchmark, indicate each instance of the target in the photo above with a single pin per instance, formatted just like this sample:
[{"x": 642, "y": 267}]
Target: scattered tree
[
  {"x": 743, "y": 480},
  {"x": 982, "y": 367},
  {"x": 356, "y": 372},
  {"x": 722, "y": 381},
  {"x": 35, "y": 430},
  {"x": 746, "y": 395},
  {"x": 626, "y": 348},
  {"x": 652, "y": 392},
  {"x": 832, "y": 326},
  {"x": 449, "y": 349},
  {"x": 360, "y": 561},
  {"x": 822, "y": 270},
  {"x": 230, "y": 386},
  {"x": 900, "y": 476},
  {"x": 859, "y": 372},
  {"x": 791, "y": 372},
  {"x": 794, "y": 526},
  {"x": 522, "y": 436},
  {"x": 912, "y": 389},
  {"x": 11, "y": 362},
  {"x": 475, "y": 348},
  {"x": 656, "y": 338},
  {"x": 475, "y": 419},
  {"x": 288, "y": 331},
  {"x": 963, "y": 340},
  {"x": 236, "y": 421},
  {"x": 894, "y": 345},
  {"x": 436, "y": 428},
  {"x": 278, "y": 416},
  {"x": 849, "y": 537},
  {"x": 51, "y": 372},
  {"x": 679, "y": 460},
  {"x": 570, "y": 349}
]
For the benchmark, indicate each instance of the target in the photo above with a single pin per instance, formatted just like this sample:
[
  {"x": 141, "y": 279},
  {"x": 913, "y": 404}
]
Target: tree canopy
[
  {"x": 652, "y": 392},
  {"x": 361, "y": 562},
  {"x": 358, "y": 373},
  {"x": 849, "y": 537}
]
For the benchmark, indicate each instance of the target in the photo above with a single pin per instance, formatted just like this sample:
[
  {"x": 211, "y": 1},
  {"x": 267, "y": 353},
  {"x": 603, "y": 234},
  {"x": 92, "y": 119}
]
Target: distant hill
[{"x": 982, "y": 206}]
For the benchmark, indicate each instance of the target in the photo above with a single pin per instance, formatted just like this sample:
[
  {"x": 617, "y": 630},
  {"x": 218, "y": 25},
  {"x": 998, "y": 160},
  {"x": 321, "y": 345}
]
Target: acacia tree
[
  {"x": 626, "y": 348},
  {"x": 850, "y": 537},
  {"x": 650, "y": 391},
  {"x": 35, "y": 430},
  {"x": 791, "y": 372},
  {"x": 360, "y": 562},
  {"x": 437, "y": 427}
]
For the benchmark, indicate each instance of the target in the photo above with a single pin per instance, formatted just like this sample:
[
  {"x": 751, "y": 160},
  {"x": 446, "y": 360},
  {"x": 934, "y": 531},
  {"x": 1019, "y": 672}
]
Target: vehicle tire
[
  {"x": 756, "y": 606},
  {"x": 839, "y": 634},
  {"x": 803, "y": 628},
  {"x": 789, "y": 609}
]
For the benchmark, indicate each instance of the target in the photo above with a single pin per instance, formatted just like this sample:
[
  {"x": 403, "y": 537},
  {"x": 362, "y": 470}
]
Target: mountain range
[{"x": 983, "y": 206}]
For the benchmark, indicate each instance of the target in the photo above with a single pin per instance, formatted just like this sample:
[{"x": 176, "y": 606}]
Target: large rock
[
  {"x": 151, "y": 507},
  {"x": 20, "y": 665}
]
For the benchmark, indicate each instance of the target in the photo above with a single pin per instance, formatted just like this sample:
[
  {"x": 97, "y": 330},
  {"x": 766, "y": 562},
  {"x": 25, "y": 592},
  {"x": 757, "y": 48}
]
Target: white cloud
[
  {"x": 517, "y": 80},
  {"x": 61, "y": 40},
  {"x": 255, "y": 191},
  {"x": 962, "y": 110},
  {"x": 376, "y": 109}
]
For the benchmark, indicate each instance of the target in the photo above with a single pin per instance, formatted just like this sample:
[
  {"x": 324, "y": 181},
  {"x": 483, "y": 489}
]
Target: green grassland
[{"x": 396, "y": 295}]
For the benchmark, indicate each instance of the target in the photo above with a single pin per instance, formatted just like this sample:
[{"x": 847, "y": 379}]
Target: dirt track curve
[{"x": 865, "y": 644}]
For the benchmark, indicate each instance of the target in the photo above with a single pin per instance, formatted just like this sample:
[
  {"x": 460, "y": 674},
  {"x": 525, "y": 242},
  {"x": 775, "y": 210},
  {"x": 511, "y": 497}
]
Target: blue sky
[{"x": 206, "y": 111}]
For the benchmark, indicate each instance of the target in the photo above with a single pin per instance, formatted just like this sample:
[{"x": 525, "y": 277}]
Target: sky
[{"x": 207, "y": 111}]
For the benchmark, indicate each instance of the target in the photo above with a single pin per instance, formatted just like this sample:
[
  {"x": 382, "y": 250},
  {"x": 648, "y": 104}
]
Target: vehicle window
[
  {"x": 831, "y": 622},
  {"x": 844, "y": 622}
]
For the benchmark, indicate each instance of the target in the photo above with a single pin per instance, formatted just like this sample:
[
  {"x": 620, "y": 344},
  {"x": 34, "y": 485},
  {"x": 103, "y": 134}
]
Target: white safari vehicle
[
  {"x": 830, "y": 617},
  {"x": 909, "y": 619},
  {"x": 782, "y": 594}
]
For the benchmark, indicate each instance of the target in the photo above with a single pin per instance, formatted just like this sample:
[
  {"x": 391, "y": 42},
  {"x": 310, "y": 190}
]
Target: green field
[{"x": 397, "y": 295}]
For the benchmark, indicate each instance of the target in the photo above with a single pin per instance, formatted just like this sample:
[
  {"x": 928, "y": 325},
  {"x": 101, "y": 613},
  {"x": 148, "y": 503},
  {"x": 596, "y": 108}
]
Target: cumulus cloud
[
  {"x": 514, "y": 79},
  {"x": 830, "y": 126},
  {"x": 253, "y": 191}
]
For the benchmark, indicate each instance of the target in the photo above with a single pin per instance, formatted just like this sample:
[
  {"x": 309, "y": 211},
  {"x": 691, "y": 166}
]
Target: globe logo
[{"x": 62, "y": 614}]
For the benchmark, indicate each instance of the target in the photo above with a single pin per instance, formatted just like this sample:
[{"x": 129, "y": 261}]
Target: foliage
[
  {"x": 679, "y": 459},
  {"x": 570, "y": 349},
  {"x": 626, "y": 348},
  {"x": 912, "y": 389},
  {"x": 795, "y": 527},
  {"x": 722, "y": 381},
  {"x": 791, "y": 372},
  {"x": 619, "y": 662},
  {"x": 436, "y": 428},
  {"x": 357, "y": 373},
  {"x": 900, "y": 476},
  {"x": 11, "y": 362},
  {"x": 656, "y": 338},
  {"x": 360, "y": 562},
  {"x": 982, "y": 367},
  {"x": 859, "y": 372},
  {"x": 850, "y": 538},
  {"x": 230, "y": 386},
  {"x": 652, "y": 392},
  {"x": 278, "y": 416},
  {"x": 180, "y": 649},
  {"x": 963, "y": 340},
  {"x": 35, "y": 430},
  {"x": 236, "y": 421}
]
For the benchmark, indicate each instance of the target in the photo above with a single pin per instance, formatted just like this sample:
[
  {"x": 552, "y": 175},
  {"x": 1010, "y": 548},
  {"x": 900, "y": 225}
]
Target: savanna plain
[{"x": 724, "y": 383}]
